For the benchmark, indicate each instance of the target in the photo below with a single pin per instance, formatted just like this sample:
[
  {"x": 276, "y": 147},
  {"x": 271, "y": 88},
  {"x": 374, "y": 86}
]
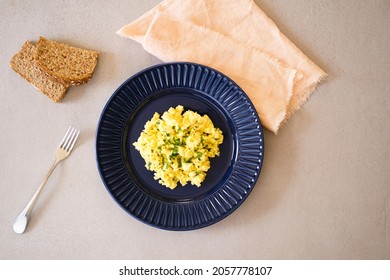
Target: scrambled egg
[{"x": 177, "y": 146}]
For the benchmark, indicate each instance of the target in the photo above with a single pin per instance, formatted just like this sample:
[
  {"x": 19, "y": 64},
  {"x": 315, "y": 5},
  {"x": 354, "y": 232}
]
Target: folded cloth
[{"x": 237, "y": 38}]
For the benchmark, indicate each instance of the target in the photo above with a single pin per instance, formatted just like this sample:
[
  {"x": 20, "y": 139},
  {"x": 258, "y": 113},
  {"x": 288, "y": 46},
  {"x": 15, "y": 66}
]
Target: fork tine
[
  {"x": 72, "y": 140},
  {"x": 69, "y": 140},
  {"x": 65, "y": 137}
]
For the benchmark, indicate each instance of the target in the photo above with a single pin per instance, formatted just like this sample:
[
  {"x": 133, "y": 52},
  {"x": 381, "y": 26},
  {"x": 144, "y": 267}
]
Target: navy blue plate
[{"x": 232, "y": 175}]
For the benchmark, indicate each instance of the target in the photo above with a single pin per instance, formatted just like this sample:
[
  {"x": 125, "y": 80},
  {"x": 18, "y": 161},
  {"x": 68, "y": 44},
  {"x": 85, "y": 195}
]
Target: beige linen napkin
[{"x": 238, "y": 39}]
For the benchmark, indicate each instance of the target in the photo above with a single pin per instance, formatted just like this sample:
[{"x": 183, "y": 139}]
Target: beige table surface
[{"x": 324, "y": 190}]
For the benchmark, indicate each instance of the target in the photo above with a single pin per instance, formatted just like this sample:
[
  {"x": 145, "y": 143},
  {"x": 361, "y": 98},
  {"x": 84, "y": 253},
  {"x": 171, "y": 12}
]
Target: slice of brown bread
[
  {"x": 65, "y": 63},
  {"x": 23, "y": 63}
]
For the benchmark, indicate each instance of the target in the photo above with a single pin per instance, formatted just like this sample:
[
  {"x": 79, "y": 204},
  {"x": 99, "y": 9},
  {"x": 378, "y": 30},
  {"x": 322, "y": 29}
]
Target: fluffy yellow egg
[{"x": 178, "y": 146}]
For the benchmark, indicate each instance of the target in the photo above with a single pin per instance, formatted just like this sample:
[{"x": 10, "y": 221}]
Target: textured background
[{"x": 324, "y": 191}]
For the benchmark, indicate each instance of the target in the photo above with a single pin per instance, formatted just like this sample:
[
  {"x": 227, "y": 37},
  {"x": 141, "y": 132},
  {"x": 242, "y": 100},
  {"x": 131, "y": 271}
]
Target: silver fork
[{"x": 62, "y": 153}]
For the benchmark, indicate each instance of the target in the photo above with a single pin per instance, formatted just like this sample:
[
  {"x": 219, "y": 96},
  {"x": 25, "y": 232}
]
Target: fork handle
[{"x": 21, "y": 222}]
